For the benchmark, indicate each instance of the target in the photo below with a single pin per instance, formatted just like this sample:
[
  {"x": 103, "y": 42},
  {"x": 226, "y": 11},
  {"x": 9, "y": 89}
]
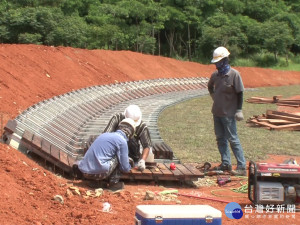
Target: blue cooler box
[{"x": 177, "y": 215}]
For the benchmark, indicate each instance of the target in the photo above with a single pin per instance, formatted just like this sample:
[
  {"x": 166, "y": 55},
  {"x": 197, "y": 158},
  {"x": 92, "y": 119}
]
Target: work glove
[
  {"x": 239, "y": 115},
  {"x": 141, "y": 165}
]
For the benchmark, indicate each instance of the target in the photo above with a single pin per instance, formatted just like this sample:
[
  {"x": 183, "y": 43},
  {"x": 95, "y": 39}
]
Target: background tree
[
  {"x": 108, "y": 28},
  {"x": 293, "y": 21},
  {"x": 29, "y": 25},
  {"x": 174, "y": 24},
  {"x": 185, "y": 29},
  {"x": 278, "y": 38},
  {"x": 192, "y": 19},
  {"x": 71, "y": 31},
  {"x": 263, "y": 10}
]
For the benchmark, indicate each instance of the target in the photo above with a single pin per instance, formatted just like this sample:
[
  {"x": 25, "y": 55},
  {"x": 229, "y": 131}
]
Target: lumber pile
[
  {"x": 277, "y": 99},
  {"x": 276, "y": 120}
]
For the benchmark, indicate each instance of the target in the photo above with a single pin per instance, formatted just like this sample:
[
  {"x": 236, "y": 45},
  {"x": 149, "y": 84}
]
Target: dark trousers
[{"x": 134, "y": 149}]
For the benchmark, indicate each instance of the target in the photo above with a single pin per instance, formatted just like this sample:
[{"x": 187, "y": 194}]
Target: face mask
[{"x": 223, "y": 66}]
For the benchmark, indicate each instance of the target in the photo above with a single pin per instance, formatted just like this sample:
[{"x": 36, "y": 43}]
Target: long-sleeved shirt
[
  {"x": 142, "y": 133},
  {"x": 104, "y": 148}
]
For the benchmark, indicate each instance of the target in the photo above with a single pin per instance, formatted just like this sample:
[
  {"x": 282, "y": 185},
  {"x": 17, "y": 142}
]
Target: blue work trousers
[
  {"x": 113, "y": 175},
  {"x": 226, "y": 131}
]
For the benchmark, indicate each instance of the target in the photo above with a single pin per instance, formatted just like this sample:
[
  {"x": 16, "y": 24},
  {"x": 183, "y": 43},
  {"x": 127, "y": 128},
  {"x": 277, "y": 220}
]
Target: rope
[
  {"x": 206, "y": 198},
  {"x": 218, "y": 195},
  {"x": 242, "y": 189}
]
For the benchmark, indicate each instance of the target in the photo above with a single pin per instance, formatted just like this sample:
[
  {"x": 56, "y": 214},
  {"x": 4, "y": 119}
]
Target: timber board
[{"x": 162, "y": 171}]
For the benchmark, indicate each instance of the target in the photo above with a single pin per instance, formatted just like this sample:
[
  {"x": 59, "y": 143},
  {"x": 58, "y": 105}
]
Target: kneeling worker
[
  {"x": 141, "y": 135},
  {"x": 107, "y": 156}
]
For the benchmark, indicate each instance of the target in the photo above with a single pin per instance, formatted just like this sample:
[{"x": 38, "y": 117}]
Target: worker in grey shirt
[
  {"x": 108, "y": 156},
  {"x": 226, "y": 89}
]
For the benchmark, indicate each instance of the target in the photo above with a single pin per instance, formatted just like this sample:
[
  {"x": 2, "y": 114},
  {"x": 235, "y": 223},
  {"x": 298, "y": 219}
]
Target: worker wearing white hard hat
[
  {"x": 134, "y": 112},
  {"x": 219, "y": 54},
  {"x": 107, "y": 156},
  {"x": 141, "y": 136},
  {"x": 226, "y": 89}
]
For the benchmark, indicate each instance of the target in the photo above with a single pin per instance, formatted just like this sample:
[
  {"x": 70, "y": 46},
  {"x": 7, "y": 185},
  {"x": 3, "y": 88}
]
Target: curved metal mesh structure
[{"x": 57, "y": 129}]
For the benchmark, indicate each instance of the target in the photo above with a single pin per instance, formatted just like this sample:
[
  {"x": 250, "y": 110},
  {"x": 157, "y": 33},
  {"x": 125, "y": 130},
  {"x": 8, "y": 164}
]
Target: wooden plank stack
[
  {"x": 277, "y": 99},
  {"x": 162, "y": 151},
  {"x": 276, "y": 120}
]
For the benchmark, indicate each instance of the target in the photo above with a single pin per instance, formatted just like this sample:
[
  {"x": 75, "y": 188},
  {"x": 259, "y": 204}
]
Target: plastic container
[{"x": 177, "y": 215}]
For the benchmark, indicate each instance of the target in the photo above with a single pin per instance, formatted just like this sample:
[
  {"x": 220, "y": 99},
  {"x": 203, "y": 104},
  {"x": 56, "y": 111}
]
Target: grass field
[
  {"x": 293, "y": 67},
  {"x": 267, "y": 60},
  {"x": 188, "y": 128}
]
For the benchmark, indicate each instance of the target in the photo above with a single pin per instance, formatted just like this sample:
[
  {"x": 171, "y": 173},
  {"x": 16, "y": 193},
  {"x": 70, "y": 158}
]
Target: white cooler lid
[{"x": 178, "y": 211}]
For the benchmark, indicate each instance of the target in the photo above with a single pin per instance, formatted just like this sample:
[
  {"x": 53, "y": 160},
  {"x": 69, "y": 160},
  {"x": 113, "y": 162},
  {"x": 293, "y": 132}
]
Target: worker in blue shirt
[{"x": 107, "y": 157}]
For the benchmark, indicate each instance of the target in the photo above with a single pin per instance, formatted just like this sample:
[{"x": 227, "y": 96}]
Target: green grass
[
  {"x": 188, "y": 128},
  {"x": 290, "y": 67},
  {"x": 267, "y": 60}
]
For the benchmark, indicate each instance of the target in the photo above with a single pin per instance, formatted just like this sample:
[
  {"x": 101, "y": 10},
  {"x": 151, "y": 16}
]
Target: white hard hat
[
  {"x": 220, "y": 53},
  {"x": 134, "y": 112}
]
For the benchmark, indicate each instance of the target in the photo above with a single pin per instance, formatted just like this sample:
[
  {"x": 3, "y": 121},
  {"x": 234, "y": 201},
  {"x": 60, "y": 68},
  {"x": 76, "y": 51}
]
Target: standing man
[
  {"x": 107, "y": 156},
  {"x": 226, "y": 89},
  {"x": 141, "y": 135}
]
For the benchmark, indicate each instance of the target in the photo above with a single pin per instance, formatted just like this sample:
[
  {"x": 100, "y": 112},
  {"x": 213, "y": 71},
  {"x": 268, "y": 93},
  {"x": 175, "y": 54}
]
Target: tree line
[{"x": 183, "y": 29}]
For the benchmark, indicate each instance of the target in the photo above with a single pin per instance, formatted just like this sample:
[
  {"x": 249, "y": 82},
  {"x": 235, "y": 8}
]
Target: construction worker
[
  {"x": 226, "y": 89},
  {"x": 141, "y": 136},
  {"x": 107, "y": 156}
]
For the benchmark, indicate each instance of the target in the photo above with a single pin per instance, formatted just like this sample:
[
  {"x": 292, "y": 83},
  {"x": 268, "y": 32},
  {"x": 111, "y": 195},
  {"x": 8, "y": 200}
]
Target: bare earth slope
[{"x": 31, "y": 73}]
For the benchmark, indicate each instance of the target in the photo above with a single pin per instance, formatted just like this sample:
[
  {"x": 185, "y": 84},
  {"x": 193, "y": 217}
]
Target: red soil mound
[{"x": 31, "y": 73}]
